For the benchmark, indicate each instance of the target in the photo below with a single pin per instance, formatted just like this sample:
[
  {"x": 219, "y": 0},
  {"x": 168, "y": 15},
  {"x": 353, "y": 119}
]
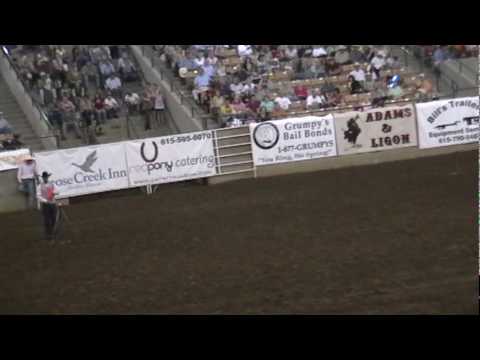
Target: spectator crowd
[
  {"x": 83, "y": 89},
  {"x": 238, "y": 84}
]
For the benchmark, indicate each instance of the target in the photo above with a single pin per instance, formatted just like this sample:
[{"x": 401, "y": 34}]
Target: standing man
[
  {"x": 49, "y": 207},
  {"x": 26, "y": 175}
]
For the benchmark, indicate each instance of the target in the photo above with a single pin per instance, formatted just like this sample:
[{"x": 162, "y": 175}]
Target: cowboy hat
[{"x": 45, "y": 174}]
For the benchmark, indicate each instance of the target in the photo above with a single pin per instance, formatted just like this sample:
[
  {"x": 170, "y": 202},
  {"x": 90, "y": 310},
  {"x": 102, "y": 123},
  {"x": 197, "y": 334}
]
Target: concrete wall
[
  {"x": 10, "y": 198},
  {"x": 180, "y": 113},
  {"x": 359, "y": 160},
  {"x": 32, "y": 114}
]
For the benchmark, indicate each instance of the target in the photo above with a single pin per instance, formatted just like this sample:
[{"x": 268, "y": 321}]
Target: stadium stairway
[
  {"x": 17, "y": 119},
  {"x": 125, "y": 128}
]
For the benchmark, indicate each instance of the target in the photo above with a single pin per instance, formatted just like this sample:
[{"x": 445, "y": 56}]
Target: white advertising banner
[
  {"x": 171, "y": 158},
  {"x": 448, "y": 122},
  {"x": 10, "y": 160},
  {"x": 376, "y": 129},
  {"x": 293, "y": 139},
  {"x": 85, "y": 170}
]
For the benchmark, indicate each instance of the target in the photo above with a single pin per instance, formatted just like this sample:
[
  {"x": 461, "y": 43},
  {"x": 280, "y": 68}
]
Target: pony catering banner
[
  {"x": 171, "y": 158},
  {"x": 376, "y": 129},
  {"x": 293, "y": 139},
  {"x": 10, "y": 160},
  {"x": 448, "y": 122},
  {"x": 85, "y": 170}
]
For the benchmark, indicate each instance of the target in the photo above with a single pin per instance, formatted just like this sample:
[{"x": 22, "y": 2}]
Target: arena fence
[{"x": 244, "y": 150}]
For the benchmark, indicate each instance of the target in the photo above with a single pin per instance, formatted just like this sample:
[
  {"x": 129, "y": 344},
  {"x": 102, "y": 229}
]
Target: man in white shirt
[
  {"x": 114, "y": 85},
  {"x": 133, "y": 102},
  {"x": 111, "y": 106},
  {"x": 283, "y": 102},
  {"x": 26, "y": 175},
  {"x": 358, "y": 74},
  {"x": 378, "y": 62},
  {"x": 316, "y": 99},
  {"x": 244, "y": 50},
  {"x": 236, "y": 87}
]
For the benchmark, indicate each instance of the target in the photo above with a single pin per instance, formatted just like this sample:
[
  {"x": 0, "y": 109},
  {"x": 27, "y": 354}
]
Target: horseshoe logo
[{"x": 142, "y": 152}]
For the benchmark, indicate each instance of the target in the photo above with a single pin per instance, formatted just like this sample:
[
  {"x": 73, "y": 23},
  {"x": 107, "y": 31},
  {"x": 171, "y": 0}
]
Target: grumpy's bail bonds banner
[
  {"x": 376, "y": 129},
  {"x": 293, "y": 139},
  {"x": 448, "y": 122}
]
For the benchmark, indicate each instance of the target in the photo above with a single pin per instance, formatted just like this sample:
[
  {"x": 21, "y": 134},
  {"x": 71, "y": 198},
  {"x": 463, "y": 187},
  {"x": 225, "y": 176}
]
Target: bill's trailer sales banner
[
  {"x": 85, "y": 170},
  {"x": 448, "y": 122},
  {"x": 375, "y": 130},
  {"x": 293, "y": 139},
  {"x": 171, "y": 158}
]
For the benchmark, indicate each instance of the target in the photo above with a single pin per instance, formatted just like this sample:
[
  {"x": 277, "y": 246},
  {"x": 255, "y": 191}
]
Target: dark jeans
[{"x": 49, "y": 212}]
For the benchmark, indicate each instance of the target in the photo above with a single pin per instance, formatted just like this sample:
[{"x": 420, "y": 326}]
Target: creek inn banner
[
  {"x": 85, "y": 170},
  {"x": 171, "y": 158},
  {"x": 293, "y": 139},
  {"x": 448, "y": 122},
  {"x": 376, "y": 129}
]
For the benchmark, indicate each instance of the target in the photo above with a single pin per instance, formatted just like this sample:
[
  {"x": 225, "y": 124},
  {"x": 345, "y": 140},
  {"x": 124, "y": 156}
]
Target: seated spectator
[
  {"x": 106, "y": 69},
  {"x": 68, "y": 110},
  {"x": 358, "y": 74},
  {"x": 12, "y": 143},
  {"x": 440, "y": 55},
  {"x": 354, "y": 85},
  {"x": 114, "y": 85},
  {"x": 227, "y": 108},
  {"x": 335, "y": 98},
  {"x": 301, "y": 92},
  {"x": 216, "y": 104},
  {"x": 316, "y": 100},
  {"x": 91, "y": 74},
  {"x": 377, "y": 64},
  {"x": 424, "y": 88},
  {"x": 392, "y": 62},
  {"x": 328, "y": 87},
  {"x": 236, "y": 87},
  {"x": 379, "y": 95},
  {"x": 86, "y": 110},
  {"x": 319, "y": 51},
  {"x": 291, "y": 52},
  {"x": 212, "y": 59},
  {"x": 342, "y": 56},
  {"x": 201, "y": 85},
  {"x": 238, "y": 105},
  {"x": 357, "y": 56},
  {"x": 55, "y": 117},
  {"x": 244, "y": 50},
  {"x": 332, "y": 67},
  {"x": 266, "y": 108},
  {"x": 111, "y": 107},
  {"x": 5, "y": 127},
  {"x": 395, "y": 90},
  {"x": 133, "y": 102},
  {"x": 158, "y": 104},
  {"x": 126, "y": 69},
  {"x": 253, "y": 104},
  {"x": 283, "y": 102},
  {"x": 100, "y": 111}
]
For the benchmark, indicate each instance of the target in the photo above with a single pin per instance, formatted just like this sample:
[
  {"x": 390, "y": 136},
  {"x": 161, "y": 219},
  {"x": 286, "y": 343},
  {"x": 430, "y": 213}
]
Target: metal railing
[
  {"x": 27, "y": 92},
  {"x": 414, "y": 51},
  {"x": 175, "y": 86}
]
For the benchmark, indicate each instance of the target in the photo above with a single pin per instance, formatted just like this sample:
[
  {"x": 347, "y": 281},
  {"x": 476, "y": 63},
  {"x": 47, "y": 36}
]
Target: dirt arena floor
[{"x": 397, "y": 238}]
